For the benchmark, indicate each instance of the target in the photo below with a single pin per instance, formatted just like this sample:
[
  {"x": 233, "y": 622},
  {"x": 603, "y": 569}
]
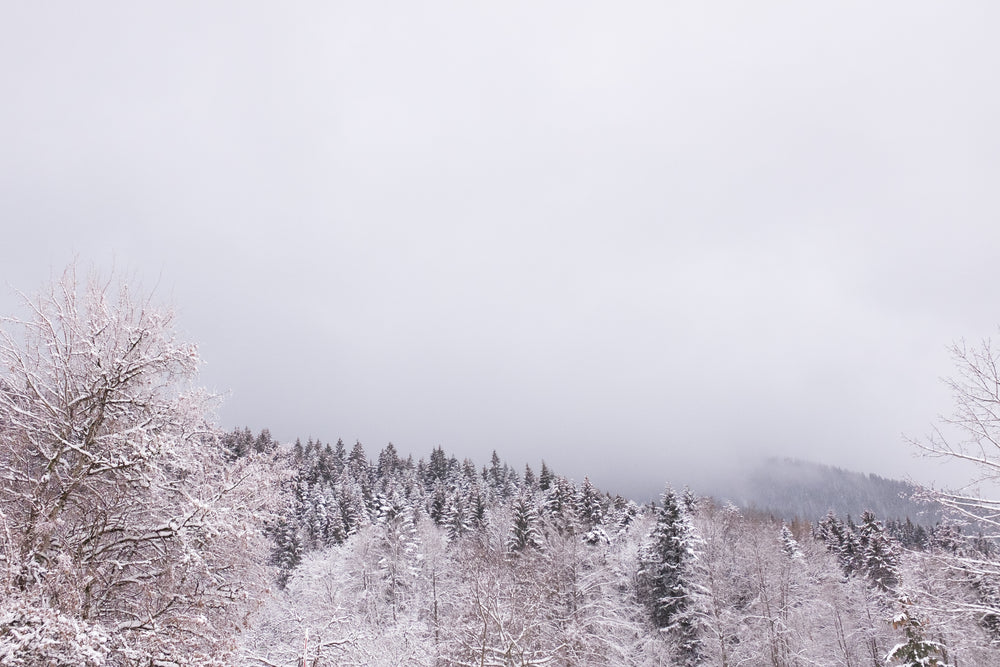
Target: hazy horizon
[{"x": 688, "y": 235}]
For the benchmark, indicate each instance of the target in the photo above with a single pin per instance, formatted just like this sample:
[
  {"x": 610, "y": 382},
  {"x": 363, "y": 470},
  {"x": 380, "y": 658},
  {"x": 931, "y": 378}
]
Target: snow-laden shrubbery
[{"x": 32, "y": 636}]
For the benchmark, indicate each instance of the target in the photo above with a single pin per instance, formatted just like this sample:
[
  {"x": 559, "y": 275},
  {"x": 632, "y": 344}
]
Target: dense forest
[
  {"x": 134, "y": 532},
  {"x": 438, "y": 561}
]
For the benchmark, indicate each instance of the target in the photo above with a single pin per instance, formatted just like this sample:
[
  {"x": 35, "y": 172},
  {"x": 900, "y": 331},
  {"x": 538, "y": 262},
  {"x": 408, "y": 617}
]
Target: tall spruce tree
[
  {"x": 589, "y": 505},
  {"x": 560, "y": 505},
  {"x": 879, "y": 556},
  {"x": 524, "y": 528},
  {"x": 288, "y": 547},
  {"x": 398, "y": 546},
  {"x": 530, "y": 481},
  {"x": 456, "y": 518},
  {"x": 544, "y": 478},
  {"x": 664, "y": 572}
]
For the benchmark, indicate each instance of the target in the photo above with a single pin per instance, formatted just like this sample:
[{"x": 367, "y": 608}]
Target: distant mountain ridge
[{"x": 792, "y": 488}]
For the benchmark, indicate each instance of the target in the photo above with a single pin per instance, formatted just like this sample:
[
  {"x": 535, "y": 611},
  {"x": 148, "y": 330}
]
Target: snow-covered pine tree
[
  {"x": 314, "y": 517},
  {"x": 438, "y": 504},
  {"x": 544, "y": 478},
  {"x": 398, "y": 545},
  {"x": 559, "y": 505},
  {"x": 830, "y": 531},
  {"x": 850, "y": 555},
  {"x": 353, "y": 509},
  {"x": 624, "y": 512},
  {"x": 469, "y": 474},
  {"x": 388, "y": 465},
  {"x": 477, "y": 507},
  {"x": 288, "y": 547},
  {"x": 690, "y": 500},
  {"x": 359, "y": 468},
  {"x": 841, "y": 539},
  {"x": 530, "y": 483},
  {"x": 456, "y": 518},
  {"x": 238, "y": 443},
  {"x": 495, "y": 475},
  {"x": 264, "y": 443},
  {"x": 333, "y": 531},
  {"x": 589, "y": 505},
  {"x": 879, "y": 558},
  {"x": 789, "y": 545},
  {"x": 511, "y": 483},
  {"x": 664, "y": 568},
  {"x": 524, "y": 529},
  {"x": 339, "y": 456},
  {"x": 436, "y": 471},
  {"x": 326, "y": 466}
]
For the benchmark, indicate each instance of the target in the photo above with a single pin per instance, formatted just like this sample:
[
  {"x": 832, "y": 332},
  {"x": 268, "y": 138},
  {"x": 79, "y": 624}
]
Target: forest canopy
[{"x": 134, "y": 531}]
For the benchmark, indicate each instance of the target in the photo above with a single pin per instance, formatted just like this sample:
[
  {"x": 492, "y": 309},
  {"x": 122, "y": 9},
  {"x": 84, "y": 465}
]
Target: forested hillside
[
  {"x": 438, "y": 561},
  {"x": 791, "y": 489},
  {"x": 134, "y": 533}
]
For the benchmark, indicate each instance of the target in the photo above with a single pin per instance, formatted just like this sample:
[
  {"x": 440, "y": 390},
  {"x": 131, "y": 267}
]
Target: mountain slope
[{"x": 791, "y": 488}]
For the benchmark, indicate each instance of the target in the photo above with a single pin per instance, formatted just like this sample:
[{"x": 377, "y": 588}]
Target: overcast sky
[{"x": 636, "y": 240}]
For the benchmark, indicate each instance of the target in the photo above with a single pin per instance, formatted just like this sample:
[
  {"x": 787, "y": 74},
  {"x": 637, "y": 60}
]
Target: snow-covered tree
[
  {"x": 388, "y": 463},
  {"x": 915, "y": 650},
  {"x": 754, "y": 591},
  {"x": 544, "y": 478},
  {"x": 353, "y": 510},
  {"x": 33, "y": 635},
  {"x": 456, "y": 518},
  {"x": 589, "y": 506},
  {"x": 879, "y": 554},
  {"x": 438, "y": 504},
  {"x": 288, "y": 549},
  {"x": 971, "y": 436},
  {"x": 789, "y": 544},
  {"x": 499, "y": 611},
  {"x": 665, "y": 566},
  {"x": 398, "y": 549},
  {"x": 114, "y": 484},
  {"x": 524, "y": 527},
  {"x": 559, "y": 505}
]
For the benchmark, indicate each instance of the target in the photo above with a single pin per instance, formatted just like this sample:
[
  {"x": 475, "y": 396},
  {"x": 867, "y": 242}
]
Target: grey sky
[{"x": 677, "y": 231}]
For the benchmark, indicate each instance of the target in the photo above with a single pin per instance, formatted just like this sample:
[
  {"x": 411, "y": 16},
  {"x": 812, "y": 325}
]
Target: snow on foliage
[
  {"x": 124, "y": 528},
  {"x": 33, "y": 635},
  {"x": 133, "y": 534},
  {"x": 731, "y": 588},
  {"x": 531, "y": 576},
  {"x": 916, "y": 651}
]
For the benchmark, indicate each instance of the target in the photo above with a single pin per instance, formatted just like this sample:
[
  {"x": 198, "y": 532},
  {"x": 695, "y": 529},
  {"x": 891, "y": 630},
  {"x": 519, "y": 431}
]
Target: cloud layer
[{"x": 681, "y": 233}]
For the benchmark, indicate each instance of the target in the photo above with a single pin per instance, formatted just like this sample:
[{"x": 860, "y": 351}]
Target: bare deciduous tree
[
  {"x": 118, "y": 508},
  {"x": 974, "y": 432},
  {"x": 971, "y": 435}
]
